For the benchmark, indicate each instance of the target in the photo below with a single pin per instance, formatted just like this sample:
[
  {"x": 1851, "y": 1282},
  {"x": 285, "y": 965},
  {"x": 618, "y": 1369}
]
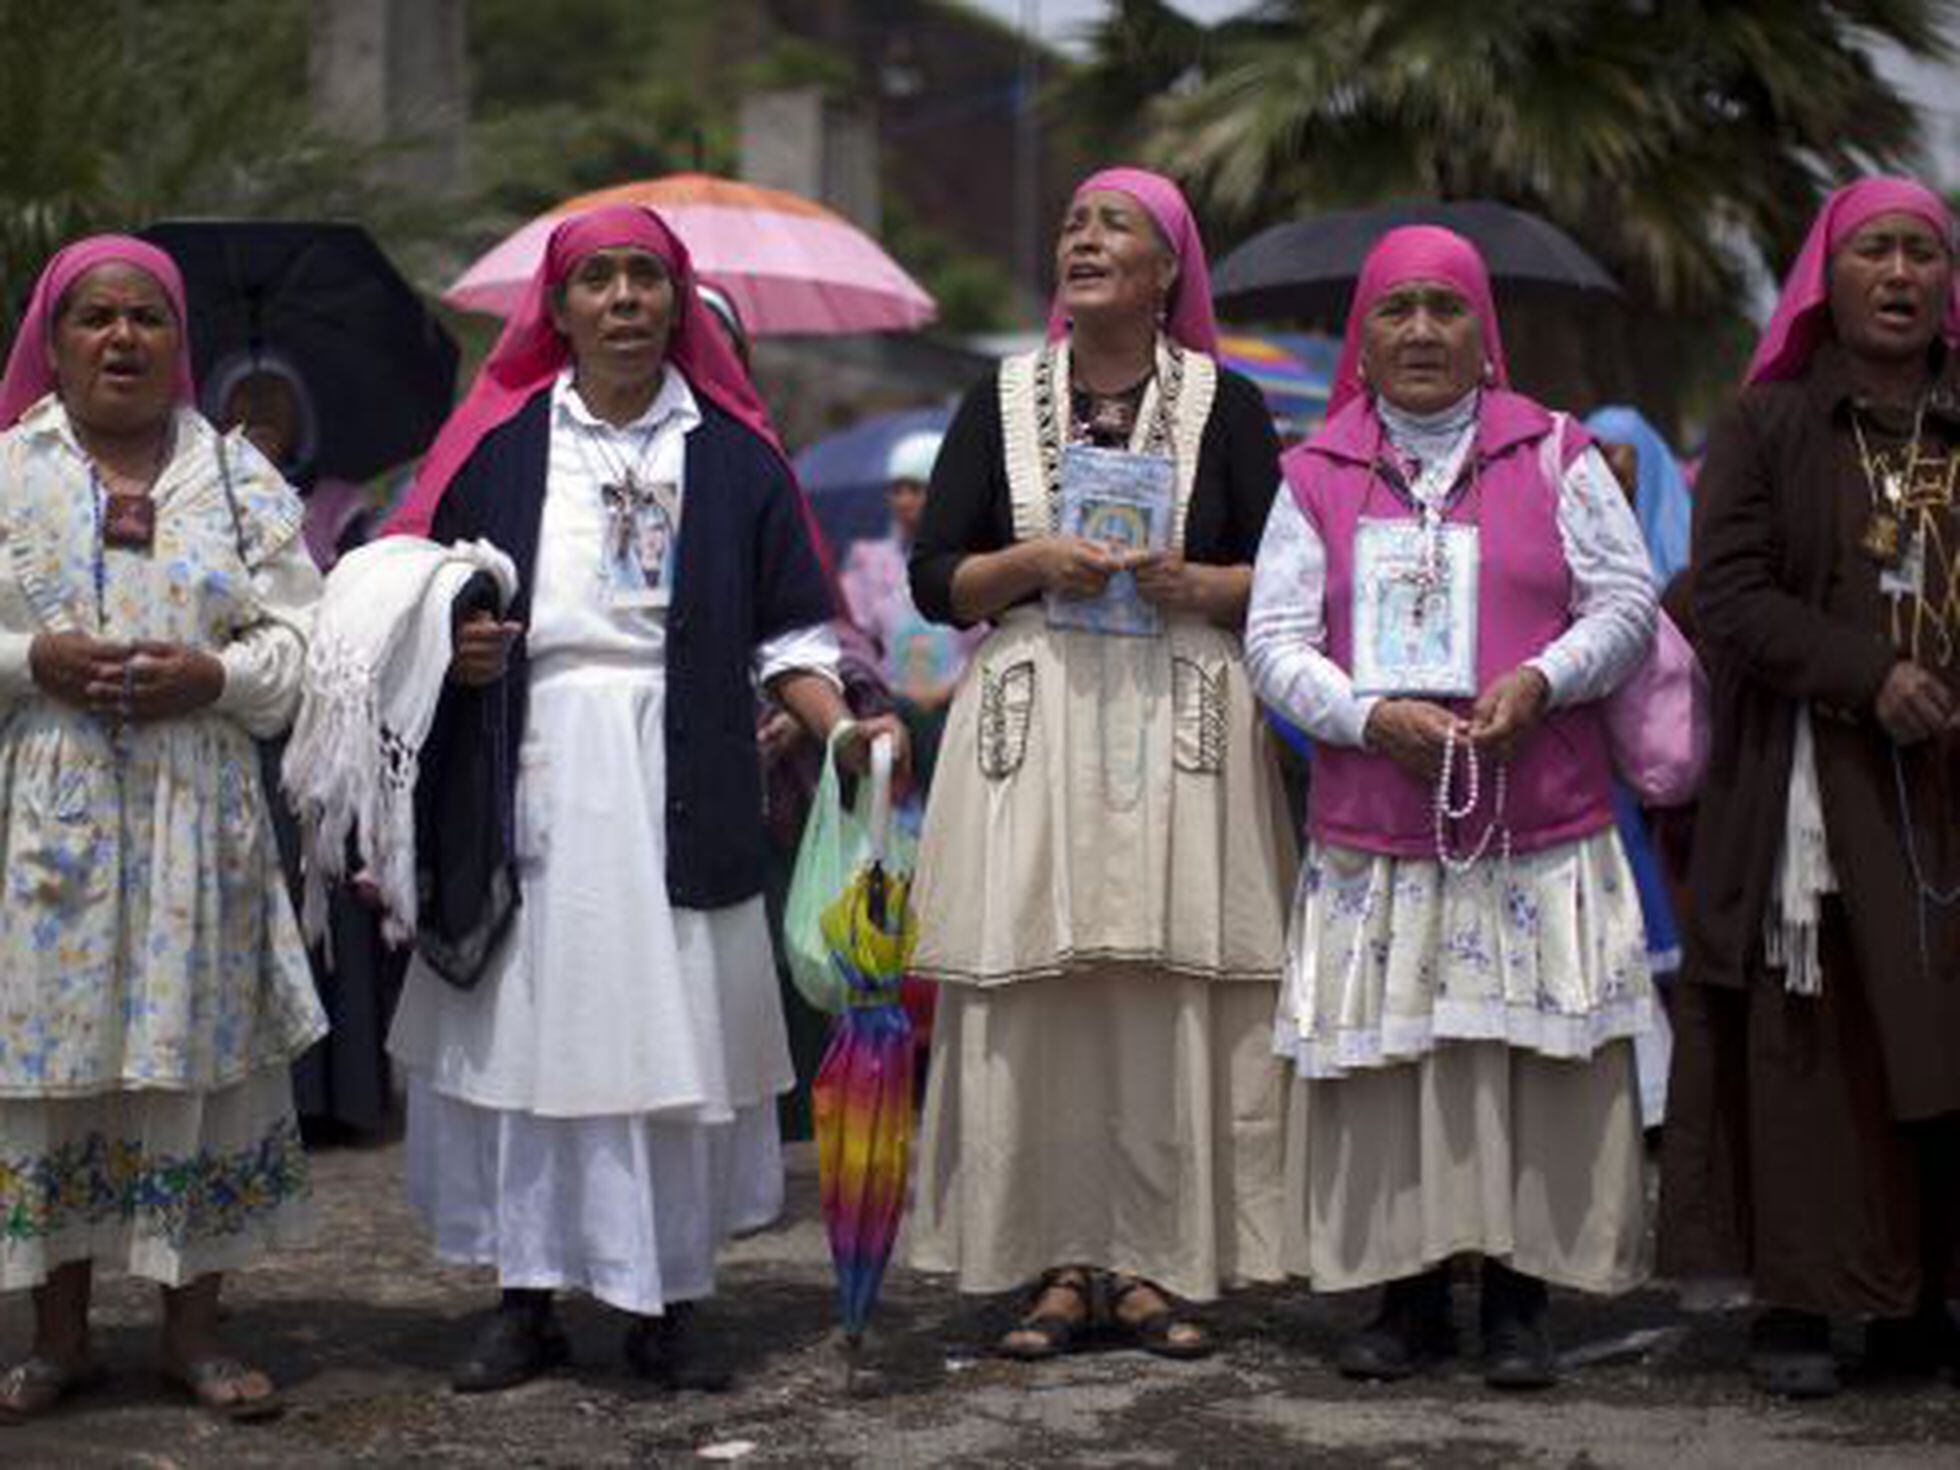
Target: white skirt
[
  {"x": 632, "y": 1210},
  {"x": 599, "y": 1112},
  {"x": 1388, "y": 957},
  {"x": 604, "y": 999},
  {"x": 165, "y": 1185}
]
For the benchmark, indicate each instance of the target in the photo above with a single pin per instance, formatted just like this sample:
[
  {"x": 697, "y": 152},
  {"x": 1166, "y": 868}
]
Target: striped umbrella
[
  {"x": 1295, "y": 390},
  {"x": 792, "y": 267}
]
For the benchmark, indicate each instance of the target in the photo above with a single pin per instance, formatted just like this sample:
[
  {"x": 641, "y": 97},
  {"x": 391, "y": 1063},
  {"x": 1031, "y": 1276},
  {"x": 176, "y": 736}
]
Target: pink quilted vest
[{"x": 1559, "y": 779}]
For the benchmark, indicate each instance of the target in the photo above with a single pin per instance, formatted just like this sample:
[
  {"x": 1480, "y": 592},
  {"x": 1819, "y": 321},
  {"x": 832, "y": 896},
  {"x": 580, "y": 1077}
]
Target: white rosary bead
[{"x": 1445, "y": 813}]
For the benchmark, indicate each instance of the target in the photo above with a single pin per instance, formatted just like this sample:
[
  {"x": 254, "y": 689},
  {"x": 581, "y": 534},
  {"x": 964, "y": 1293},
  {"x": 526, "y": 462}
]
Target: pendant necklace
[
  {"x": 620, "y": 490},
  {"x": 1883, "y": 540}
]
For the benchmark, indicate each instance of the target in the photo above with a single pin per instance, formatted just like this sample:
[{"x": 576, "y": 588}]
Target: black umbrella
[
  {"x": 1306, "y": 270},
  {"x": 378, "y": 368}
]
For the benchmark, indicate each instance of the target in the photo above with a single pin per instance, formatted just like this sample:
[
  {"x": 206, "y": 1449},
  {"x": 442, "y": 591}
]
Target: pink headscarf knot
[
  {"x": 1188, "y": 319},
  {"x": 30, "y": 373},
  {"x": 1416, "y": 253},
  {"x": 1802, "y": 319}
]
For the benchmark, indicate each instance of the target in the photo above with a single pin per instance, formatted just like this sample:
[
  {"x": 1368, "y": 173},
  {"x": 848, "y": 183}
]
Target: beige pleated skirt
[
  {"x": 1127, "y": 1119},
  {"x": 1475, "y": 1147}
]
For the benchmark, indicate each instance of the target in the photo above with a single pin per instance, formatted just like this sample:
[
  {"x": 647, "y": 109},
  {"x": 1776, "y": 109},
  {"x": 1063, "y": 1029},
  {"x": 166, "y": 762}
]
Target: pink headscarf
[
  {"x": 30, "y": 374},
  {"x": 1802, "y": 319},
  {"x": 1416, "y": 253},
  {"x": 1188, "y": 318},
  {"x": 530, "y": 353}
]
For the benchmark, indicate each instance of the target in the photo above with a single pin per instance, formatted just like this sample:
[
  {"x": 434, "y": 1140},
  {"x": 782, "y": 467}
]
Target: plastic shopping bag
[{"x": 837, "y": 841}]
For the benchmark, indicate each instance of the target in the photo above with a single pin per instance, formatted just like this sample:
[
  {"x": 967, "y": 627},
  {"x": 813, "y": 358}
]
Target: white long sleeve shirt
[{"x": 1613, "y": 608}]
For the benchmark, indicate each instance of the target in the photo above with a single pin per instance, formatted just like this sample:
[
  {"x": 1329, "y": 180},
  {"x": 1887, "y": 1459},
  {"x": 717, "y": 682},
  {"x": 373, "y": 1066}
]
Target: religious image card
[
  {"x": 1415, "y": 609},
  {"x": 1123, "y": 501},
  {"x": 643, "y": 534}
]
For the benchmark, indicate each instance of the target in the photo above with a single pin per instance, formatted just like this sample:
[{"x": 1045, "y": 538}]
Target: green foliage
[
  {"x": 115, "y": 115},
  {"x": 1665, "y": 135},
  {"x": 975, "y": 294},
  {"x": 576, "y": 96},
  {"x": 1654, "y": 130}
]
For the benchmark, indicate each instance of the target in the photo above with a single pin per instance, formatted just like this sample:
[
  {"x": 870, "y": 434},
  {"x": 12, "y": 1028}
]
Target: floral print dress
[{"x": 153, "y": 984}]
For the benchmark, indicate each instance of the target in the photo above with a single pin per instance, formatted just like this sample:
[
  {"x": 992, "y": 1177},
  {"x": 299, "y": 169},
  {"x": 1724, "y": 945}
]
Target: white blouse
[
  {"x": 569, "y": 611},
  {"x": 1613, "y": 609}
]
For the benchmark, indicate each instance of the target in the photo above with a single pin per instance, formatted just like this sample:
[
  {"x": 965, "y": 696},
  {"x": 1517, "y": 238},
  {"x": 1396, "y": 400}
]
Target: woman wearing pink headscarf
[
  {"x": 1103, "y": 867},
  {"x": 1450, "y": 582},
  {"x": 1813, "y": 1136},
  {"x": 155, "y": 596},
  {"x": 597, "y": 1111}
]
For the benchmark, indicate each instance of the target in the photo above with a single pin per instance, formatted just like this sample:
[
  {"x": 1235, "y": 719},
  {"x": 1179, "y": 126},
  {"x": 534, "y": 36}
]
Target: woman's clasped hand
[{"x": 125, "y": 682}]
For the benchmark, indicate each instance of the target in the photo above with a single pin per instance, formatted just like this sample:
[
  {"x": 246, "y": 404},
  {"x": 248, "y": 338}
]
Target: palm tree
[{"x": 1674, "y": 139}]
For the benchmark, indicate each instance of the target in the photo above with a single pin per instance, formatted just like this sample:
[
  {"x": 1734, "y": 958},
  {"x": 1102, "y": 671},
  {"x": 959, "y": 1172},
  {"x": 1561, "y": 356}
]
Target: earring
[{"x": 1490, "y": 371}]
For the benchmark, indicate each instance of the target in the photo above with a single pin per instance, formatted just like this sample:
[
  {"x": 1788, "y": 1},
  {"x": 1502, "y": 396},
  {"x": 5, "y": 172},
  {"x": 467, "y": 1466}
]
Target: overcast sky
[{"x": 1061, "y": 22}]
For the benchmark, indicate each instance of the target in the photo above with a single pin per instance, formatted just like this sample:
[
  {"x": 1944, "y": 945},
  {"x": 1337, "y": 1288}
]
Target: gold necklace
[{"x": 1882, "y": 539}]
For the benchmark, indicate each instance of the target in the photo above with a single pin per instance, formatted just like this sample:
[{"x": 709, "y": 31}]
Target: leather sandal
[
  {"x": 1054, "y": 1332},
  {"x": 1162, "y": 1332},
  {"x": 206, "y": 1380},
  {"x": 36, "y": 1384}
]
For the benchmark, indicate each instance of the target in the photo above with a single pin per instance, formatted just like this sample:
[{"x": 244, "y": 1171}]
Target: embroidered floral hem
[
  {"x": 166, "y": 1185},
  {"x": 1544, "y": 951}
]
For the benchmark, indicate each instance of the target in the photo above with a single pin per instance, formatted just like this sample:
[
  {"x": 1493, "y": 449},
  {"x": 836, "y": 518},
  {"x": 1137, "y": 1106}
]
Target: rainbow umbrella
[
  {"x": 790, "y": 265},
  {"x": 862, "y": 1097},
  {"x": 1295, "y": 389}
]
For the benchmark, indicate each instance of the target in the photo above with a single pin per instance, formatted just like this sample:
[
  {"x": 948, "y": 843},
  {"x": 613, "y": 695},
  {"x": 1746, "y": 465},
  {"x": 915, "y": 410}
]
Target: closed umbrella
[
  {"x": 862, "y": 1097},
  {"x": 791, "y": 266}
]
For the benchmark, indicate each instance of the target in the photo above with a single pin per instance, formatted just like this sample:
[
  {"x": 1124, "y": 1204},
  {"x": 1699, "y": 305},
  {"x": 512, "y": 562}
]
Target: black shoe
[
  {"x": 1410, "y": 1332},
  {"x": 668, "y": 1351},
  {"x": 1918, "y": 1346},
  {"x": 513, "y": 1347},
  {"x": 1512, "y": 1310},
  {"x": 1790, "y": 1354}
]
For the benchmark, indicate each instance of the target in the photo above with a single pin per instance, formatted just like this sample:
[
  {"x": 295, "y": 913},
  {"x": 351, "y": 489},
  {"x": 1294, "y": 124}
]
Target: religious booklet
[{"x": 1124, "y": 501}]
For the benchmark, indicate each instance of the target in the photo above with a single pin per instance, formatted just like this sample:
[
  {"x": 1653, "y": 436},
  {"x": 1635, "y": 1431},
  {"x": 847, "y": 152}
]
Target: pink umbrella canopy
[{"x": 792, "y": 267}]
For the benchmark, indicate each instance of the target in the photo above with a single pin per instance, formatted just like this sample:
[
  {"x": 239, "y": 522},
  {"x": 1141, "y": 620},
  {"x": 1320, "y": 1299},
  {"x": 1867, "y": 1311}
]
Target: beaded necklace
[{"x": 1446, "y": 812}]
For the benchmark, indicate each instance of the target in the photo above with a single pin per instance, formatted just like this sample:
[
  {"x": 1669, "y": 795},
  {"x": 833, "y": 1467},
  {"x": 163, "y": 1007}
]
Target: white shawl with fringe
[{"x": 374, "y": 674}]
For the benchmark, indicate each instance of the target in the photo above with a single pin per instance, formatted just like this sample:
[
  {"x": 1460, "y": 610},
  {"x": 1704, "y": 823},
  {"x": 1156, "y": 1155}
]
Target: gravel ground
[{"x": 360, "y": 1330}]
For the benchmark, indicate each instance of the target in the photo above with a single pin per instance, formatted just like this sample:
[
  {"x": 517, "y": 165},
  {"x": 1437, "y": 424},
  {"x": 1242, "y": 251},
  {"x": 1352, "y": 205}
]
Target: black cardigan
[
  {"x": 970, "y": 508},
  {"x": 747, "y": 571}
]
